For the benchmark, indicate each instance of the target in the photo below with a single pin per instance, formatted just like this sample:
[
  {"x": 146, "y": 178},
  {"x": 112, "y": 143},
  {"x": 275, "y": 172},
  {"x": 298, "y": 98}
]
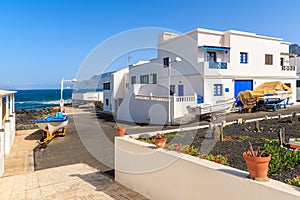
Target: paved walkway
[
  {"x": 78, "y": 181},
  {"x": 20, "y": 160},
  {"x": 67, "y": 170}
]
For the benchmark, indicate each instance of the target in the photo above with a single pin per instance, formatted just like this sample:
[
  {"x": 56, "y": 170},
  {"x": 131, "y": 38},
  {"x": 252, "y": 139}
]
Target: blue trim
[
  {"x": 217, "y": 65},
  {"x": 59, "y": 117},
  {"x": 218, "y": 90},
  {"x": 215, "y": 48}
]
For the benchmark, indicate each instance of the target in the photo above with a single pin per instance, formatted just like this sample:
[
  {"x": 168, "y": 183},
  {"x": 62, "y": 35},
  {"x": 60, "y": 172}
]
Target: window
[
  {"x": 298, "y": 83},
  {"x": 154, "y": 79},
  {"x": 166, "y": 62},
  {"x": 144, "y": 79},
  {"x": 218, "y": 89},
  {"x": 106, "y": 102},
  {"x": 287, "y": 84},
  {"x": 106, "y": 86},
  {"x": 243, "y": 57},
  {"x": 172, "y": 90},
  {"x": 269, "y": 59},
  {"x": 211, "y": 56},
  {"x": 281, "y": 61},
  {"x": 133, "y": 80}
]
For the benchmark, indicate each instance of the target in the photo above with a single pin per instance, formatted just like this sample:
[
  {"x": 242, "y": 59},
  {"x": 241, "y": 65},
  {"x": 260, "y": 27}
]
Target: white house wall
[
  {"x": 117, "y": 90},
  {"x": 210, "y": 38},
  {"x": 256, "y": 49},
  {"x": 292, "y": 63}
]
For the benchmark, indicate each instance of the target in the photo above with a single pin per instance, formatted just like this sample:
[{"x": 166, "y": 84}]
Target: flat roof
[{"x": 6, "y": 92}]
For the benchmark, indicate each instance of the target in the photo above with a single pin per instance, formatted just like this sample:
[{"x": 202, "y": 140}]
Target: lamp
[
  {"x": 61, "y": 91},
  {"x": 177, "y": 59}
]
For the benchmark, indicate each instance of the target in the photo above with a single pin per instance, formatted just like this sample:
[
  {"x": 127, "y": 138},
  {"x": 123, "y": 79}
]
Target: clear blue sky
[{"x": 42, "y": 41}]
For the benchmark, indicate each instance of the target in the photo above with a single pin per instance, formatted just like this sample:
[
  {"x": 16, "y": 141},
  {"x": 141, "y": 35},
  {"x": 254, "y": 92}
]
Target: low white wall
[
  {"x": 77, "y": 96},
  {"x": 1, "y": 153},
  {"x": 159, "y": 174},
  {"x": 180, "y": 107}
]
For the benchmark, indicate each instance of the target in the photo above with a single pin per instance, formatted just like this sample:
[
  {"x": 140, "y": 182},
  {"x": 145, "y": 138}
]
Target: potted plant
[
  {"x": 257, "y": 163},
  {"x": 294, "y": 143},
  {"x": 160, "y": 140},
  {"x": 120, "y": 130}
]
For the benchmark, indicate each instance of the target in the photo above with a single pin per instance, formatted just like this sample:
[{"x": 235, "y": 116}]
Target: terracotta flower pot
[
  {"x": 295, "y": 144},
  {"x": 258, "y": 166},
  {"x": 160, "y": 143},
  {"x": 121, "y": 132}
]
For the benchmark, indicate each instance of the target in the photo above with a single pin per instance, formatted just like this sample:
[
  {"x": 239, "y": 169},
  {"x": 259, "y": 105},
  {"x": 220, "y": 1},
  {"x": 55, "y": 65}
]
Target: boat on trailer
[
  {"x": 212, "y": 109},
  {"x": 52, "y": 126}
]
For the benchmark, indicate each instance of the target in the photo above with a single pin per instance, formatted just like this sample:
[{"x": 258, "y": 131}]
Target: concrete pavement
[{"x": 78, "y": 181}]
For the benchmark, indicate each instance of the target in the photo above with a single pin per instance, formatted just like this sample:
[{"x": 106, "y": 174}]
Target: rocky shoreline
[{"x": 25, "y": 119}]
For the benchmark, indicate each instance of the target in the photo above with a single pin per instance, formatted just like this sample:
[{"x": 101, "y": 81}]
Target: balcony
[{"x": 217, "y": 65}]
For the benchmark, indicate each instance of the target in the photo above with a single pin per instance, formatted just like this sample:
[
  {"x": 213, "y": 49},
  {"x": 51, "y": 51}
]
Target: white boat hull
[{"x": 52, "y": 127}]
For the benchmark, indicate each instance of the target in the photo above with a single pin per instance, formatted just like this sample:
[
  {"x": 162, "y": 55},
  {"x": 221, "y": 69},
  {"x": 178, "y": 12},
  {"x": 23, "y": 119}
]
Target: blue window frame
[
  {"x": 218, "y": 90},
  {"x": 243, "y": 57}
]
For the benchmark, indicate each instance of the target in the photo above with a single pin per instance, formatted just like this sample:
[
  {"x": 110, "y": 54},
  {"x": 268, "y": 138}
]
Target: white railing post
[
  {"x": 1, "y": 140},
  {"x": 11, "y": 119},
  {"x": 7, "y": 129}
]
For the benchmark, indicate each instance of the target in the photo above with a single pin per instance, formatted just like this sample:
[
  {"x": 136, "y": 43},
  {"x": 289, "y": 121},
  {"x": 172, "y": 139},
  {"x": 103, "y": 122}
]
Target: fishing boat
[
  {"x": 52, "y": 126},
  {"x": 268, "y": 95},
  {"x": 212, "y": 109}
]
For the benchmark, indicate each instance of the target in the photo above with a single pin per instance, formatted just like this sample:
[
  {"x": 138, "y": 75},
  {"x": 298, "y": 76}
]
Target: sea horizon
[{"x": 38, "y": 99}]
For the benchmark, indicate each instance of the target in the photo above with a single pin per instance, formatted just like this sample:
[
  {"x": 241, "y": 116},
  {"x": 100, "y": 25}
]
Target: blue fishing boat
[{"x": 52, "y": 126}]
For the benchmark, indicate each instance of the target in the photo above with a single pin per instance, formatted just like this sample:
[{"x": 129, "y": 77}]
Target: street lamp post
[
  {"x": 177, "y": 59},
  {"x": 61, "y": 91}
]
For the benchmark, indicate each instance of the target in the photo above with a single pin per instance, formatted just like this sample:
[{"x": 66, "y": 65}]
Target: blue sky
[{"x": 42, "y": 41}]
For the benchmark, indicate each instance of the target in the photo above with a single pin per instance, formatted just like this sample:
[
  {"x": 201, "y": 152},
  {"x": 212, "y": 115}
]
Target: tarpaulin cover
[{"x": 249, "y": 97}]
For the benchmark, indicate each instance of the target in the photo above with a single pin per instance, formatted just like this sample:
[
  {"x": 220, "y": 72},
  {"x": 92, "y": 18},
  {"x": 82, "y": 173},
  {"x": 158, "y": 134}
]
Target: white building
[
  {"x": 115, "y": 89},
  {"x": 7, "y": 124},
  {"x": 296, "y": 62},
  {"x": 215, "y": 65}
]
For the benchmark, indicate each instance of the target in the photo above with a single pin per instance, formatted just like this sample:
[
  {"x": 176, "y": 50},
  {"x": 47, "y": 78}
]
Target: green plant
[
  {"x": 181, "y": 148},
  {"x": 270, "y": 141},
  {"x": 173, "y": 134},
  {"x": 218, "y": 158},
  {"x": 281, "y": 158},
  {"x": 146, "y": 139},
  {"x": 243, "y": 138},
  {"x": 294, "y": 181},
  {"x": 297, "y": 139}
]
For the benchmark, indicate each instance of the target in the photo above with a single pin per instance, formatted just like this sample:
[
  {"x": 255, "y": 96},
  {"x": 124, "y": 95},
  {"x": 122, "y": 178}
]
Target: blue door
[
  {"x": 180, "y": 90},
  {"x": 242, "y": 85}
]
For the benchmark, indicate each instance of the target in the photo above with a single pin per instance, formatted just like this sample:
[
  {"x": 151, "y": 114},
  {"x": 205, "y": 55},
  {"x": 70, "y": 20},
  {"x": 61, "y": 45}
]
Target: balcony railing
[{"x": 217, "y": 65}]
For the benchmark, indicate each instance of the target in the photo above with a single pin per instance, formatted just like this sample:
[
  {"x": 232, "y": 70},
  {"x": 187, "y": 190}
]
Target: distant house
[
  {"x": 7, "y": 124},
  {"x": 296, "y": 62},
  {"x": 115, "y": 89},
  {"x": 215, "y": 66}
]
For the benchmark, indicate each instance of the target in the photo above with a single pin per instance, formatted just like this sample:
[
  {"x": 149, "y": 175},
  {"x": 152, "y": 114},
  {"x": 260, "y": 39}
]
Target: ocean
[{"x": 40, "y": 99}]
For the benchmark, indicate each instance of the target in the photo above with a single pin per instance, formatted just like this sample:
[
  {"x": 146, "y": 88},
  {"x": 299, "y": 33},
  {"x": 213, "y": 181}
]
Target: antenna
[{"x": 128, "y": 59}]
